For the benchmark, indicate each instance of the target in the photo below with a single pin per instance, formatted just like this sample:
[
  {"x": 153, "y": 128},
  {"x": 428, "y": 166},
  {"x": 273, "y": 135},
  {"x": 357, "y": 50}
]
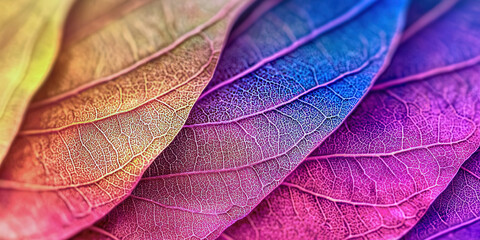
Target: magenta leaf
[
  {"x": 377, "y": 174},
  {"x": 282, "y": 86},
  {"x": 455, "y": 214}
]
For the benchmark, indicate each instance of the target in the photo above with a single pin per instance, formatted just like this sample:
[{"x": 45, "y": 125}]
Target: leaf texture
[
  {"x": 280, "y": 88},
  {"x": 121, "y": 90},
  {"x": 422, "y": 13},
  {"x": 455, "y": 213},
  {"x": 377, "y": 174},
  {"x": 31, "y": 32},
  {"x": 419, "y": 9}
]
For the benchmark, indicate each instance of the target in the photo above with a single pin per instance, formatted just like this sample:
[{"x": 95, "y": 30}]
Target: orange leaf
[{"x": 124, "y": 83}]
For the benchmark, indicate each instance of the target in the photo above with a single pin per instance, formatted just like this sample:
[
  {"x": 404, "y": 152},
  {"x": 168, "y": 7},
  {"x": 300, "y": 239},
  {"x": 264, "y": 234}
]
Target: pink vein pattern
[
  {"x": 377, "y": 174},
  {"x": 281, "y": 87}
]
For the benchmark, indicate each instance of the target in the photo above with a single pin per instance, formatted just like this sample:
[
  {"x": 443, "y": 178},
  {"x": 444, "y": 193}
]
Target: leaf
[
  {"x": 378, "y": 173},
  {"x": 116, "y": 98},
  {"x": 284, "y": 84},
  {"x": 422, "y": 13},
  {"x": 454, "y": 214},
  {"x": 30, "y": 33}
]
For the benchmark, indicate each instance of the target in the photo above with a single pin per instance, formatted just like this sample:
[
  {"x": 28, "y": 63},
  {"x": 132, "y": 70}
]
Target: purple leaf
[
  {"x": 378, "y": 173},
  {"x": 455, "y": 213},
  {"x": 282, "y": 86},
  {"x": 421, "y": 13},
  {"x": 418, "y": 9}
]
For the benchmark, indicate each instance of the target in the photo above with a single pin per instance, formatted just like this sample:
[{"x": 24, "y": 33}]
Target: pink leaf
[
  {"x": 282, "y": 86},
  {"x": 377, "y": 174}
]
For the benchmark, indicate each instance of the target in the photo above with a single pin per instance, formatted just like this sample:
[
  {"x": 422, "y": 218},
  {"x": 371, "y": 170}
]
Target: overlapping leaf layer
[
  {"x": 138, "y": 133},
  {"x": 120, "y": 91},
  {"x": 455, "y": 213},
  {"x": 378, "y": 173},
  {"x": 30, "y": 38},
  {"x": 283, "y": 84}
]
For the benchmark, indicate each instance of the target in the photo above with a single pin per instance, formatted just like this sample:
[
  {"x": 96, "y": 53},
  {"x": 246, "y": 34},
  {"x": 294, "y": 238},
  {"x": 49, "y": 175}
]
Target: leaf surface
[
  {"x": 281, "y": 87},
  {"x": 31, "y": 32},
  {"x": 377, "y": 174},
  {"x": 455, "y": 213},
  {"x": 121, "y": 90}
]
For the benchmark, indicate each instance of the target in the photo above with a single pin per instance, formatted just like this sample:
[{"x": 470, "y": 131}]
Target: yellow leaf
[{"x": 30, "y": 37}]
